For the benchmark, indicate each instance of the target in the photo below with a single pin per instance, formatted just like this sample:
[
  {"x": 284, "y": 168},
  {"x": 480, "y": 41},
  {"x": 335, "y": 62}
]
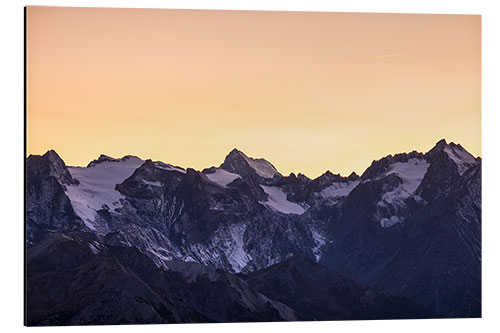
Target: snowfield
[
  {"x": 222, "y": 177},
  {"x": 261, "y": 166},
  {"x": 168, "y": 167},
  {"x": 97, "y": 187},
  {"x": 339, "y": 189},
  {"x": 277, "y": 201},
  {"x": 411, "y": 173},
  {"x": 460, "y": 157}
]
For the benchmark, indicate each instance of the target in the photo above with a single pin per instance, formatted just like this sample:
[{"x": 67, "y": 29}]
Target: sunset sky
[{"x": 309, "y": 92}]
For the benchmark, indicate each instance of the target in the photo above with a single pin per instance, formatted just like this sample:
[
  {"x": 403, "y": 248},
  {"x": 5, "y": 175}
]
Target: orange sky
[{"x": 307, "y": 91}]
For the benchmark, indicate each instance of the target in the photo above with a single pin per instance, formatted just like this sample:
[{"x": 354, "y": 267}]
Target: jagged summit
[
  {"x": 236, "y": 151},
  {"x": 52, "y": 155},
  {"x": 441, "y": 150},
  {"x": 443, "y": 145},
  {"x": 454, "y": 152},
  {"x": 238, "y": 162},
  {"x": 438, "y": 147},
  {"x": 331, "y": 177},
  {"x": 353, "y": 176},
  {"x": 379, "y": 167},
  {"x": 49, "y": 165},
  {"x": 302, "y": 177}
]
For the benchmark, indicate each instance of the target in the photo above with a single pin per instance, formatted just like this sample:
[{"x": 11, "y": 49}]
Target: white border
[{"x": 11, "y": 172}]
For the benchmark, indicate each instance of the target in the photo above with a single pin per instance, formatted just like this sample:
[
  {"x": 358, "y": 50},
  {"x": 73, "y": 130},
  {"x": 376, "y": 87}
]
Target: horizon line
[{"x": 295, "y": 173}]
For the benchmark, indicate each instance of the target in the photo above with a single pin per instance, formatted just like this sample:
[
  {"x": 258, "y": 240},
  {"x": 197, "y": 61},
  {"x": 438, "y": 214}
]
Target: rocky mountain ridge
[{"x": 410, "y": 225}]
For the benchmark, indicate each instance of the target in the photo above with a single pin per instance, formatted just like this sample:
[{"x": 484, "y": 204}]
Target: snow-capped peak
[
  {"x": 456, "y": 153},
  {"x": 239, "y": 163}
]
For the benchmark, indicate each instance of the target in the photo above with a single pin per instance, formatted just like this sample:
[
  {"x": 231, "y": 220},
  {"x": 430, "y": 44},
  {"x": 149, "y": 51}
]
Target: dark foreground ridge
[{"x": 78, "y": 281}]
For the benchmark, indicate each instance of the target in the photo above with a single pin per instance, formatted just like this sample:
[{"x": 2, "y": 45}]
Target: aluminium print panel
[{"x": 266, "y": 166}]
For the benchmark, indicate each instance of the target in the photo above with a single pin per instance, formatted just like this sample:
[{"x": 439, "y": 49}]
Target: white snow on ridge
[
  {"x": 261, "y": 166},
  {"x": 97, "y": 187},
  {"x": 151, "y": 183},
  {"x": 460, "y": 157},
  {"x": 339, "y": 189},
  {"x": 222, "y": 177},
  {"x": 278, "y": 202},
  {"x": 236, "y": 253},
  {"x": 411, "y": 173},
  {"x": 320, "y": 242},
  {"x": 168, "y": 167}
]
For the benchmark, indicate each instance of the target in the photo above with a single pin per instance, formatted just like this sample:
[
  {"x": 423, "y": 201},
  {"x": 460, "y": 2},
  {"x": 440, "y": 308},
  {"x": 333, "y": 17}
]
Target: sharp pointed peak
[
  {"x": 302, "y": 176},
  {"x": 330, "y": 175},
  {"x": 441, "y": 142},
  {"x": 238, "y": 162},
  {"x": 453, "y": 153},
  {"x": 438, "y": 147},
  {"x": 49, "y": 156},
  {"x": 236, "y": 151},
  {"x": 52, "y": 155},
  {"x": 51, "y": 164},
  {"x": 353, "y": 176},
  {"x": 51, "y": 152}
]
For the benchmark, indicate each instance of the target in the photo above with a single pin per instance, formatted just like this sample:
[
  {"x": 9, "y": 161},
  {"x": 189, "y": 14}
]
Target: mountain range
[{"x": 139, "y": 241}]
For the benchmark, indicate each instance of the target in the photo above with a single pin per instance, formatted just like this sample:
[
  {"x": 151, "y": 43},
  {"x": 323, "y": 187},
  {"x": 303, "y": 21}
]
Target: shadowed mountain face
[
  {"x": 435, "y": 240},
  {"x": 78, "y": 280},
  {"x": 319, "y": 293},
  {"x": 48, "y": 207},
  {"x": 74, "y": 280},
  {"x": 406, "y": 233}
]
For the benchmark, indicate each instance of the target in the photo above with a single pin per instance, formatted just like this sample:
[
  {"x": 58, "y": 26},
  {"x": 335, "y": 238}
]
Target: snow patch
[
  {"x": 261, "y": 166},
  {"x": 389, "y": 222},
  {"x": 236, "y": 254},
  {"x": 157, "y": 183},
  {"x": 320, "y": 242},
  {"x": 460, "y": 157},
  {"x": 339, "y": 189},
  {"x": 93, "y": 248},
  {"x": 278, "y": 202},
  {"x": 168, "y": 167},
  {"x": 411, "y": 173},
  {"x": 222, "y": 177},
  {"x": 97, "y": 187}
]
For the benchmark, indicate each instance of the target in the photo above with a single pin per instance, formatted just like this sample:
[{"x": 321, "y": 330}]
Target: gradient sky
[{"x": 310, "y": 92}]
